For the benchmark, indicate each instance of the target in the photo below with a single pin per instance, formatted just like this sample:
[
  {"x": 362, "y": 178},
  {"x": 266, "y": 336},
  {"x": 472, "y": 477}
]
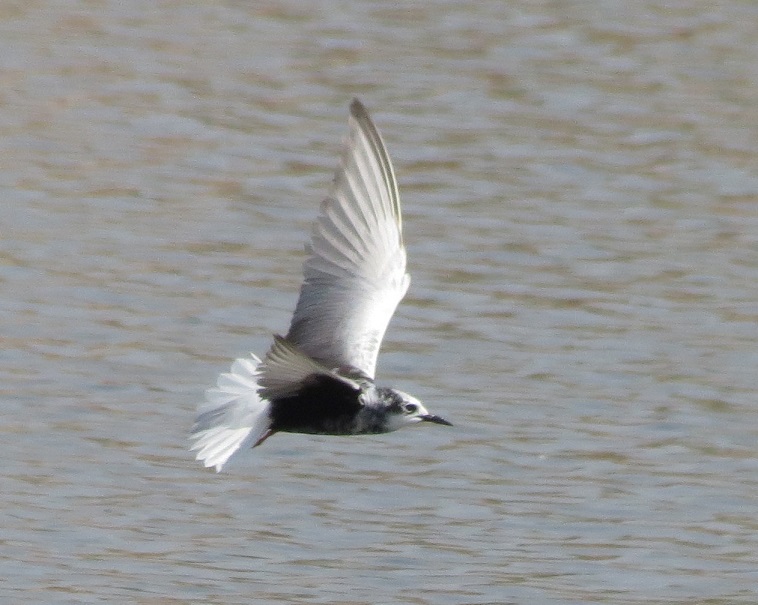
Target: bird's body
[
  {"x": 319, "y": 379},
  {"x": 321, "y": 408}
]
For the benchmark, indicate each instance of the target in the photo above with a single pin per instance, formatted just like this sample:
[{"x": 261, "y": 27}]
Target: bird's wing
[
  {"x": 285, "y": 370},
  {"x": 355, "y": 272}
]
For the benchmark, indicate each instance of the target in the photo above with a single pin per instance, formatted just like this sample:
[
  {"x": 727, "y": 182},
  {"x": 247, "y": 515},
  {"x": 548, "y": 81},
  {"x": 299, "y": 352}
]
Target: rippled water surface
[{"x": 580, "y": 192}]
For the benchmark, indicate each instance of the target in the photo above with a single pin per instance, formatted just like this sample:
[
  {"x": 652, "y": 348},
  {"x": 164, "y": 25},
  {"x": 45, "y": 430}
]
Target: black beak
[{"x": 436, "y": 419}]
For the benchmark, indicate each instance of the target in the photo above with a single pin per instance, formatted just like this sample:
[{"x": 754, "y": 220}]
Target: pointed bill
[{"x": 355, "y": 274}]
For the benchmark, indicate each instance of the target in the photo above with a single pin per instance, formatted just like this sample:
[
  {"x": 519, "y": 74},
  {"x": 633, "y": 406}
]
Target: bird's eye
[{"x": 411, "y": 408}]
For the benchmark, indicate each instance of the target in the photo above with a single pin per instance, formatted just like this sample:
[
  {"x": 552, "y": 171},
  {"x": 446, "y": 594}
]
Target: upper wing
[
  {"x": 355, "y": 273},
  {"x": 285, "y": 370}
]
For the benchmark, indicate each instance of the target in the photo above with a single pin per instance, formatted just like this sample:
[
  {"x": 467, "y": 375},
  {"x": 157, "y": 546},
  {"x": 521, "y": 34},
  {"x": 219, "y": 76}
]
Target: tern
[{"x": 319, "y": 378}]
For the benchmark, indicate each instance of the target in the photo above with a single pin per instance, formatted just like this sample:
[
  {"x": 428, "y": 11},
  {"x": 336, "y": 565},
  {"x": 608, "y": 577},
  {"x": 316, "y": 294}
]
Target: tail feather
[{"x": 233, "y": 417}]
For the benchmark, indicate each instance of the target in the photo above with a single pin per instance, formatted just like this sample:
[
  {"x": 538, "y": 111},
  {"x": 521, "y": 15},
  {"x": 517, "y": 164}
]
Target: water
[{"x": 579, "y": 185}]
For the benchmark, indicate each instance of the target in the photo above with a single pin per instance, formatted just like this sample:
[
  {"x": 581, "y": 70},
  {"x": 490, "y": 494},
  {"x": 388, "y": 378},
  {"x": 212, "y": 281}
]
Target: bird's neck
[{"x": 371, "y": 418}]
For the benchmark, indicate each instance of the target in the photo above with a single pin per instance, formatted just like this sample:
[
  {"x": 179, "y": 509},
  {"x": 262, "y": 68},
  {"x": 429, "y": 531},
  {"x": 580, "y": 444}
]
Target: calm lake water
[{"x": 581, "y": 211}]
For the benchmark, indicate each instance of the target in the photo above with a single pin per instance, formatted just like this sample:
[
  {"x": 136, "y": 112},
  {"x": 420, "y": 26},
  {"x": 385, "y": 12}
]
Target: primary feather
[{"x": 355, "y": 273}]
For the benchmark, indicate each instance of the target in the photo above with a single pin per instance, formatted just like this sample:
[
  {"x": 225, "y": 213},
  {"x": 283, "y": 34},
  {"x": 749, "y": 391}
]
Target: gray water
[{"x": 580, "y": 191}]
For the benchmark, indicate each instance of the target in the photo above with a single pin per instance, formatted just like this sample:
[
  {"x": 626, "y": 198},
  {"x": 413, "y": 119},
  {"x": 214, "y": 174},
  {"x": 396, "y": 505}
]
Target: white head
[{"x": 403, "y": 409}]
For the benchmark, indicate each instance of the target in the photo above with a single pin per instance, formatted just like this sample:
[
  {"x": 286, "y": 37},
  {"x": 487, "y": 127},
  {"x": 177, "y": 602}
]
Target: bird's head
[{"x": 404, "y": 409}]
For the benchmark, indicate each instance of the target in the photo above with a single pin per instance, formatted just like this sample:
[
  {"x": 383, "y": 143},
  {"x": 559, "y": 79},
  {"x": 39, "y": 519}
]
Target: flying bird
[{"x": 319, "y": 378}]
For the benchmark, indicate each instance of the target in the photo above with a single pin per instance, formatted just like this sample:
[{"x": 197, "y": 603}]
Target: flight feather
[{"x": 355, "y": 273}]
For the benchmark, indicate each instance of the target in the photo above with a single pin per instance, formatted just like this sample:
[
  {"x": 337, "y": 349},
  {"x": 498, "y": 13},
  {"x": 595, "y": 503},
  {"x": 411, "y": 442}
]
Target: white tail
[{"x": 233, "y": 417}]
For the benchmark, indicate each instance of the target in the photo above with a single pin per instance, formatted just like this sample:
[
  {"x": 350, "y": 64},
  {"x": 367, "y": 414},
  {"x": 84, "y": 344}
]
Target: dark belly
[{"x": 322, "y": 407}]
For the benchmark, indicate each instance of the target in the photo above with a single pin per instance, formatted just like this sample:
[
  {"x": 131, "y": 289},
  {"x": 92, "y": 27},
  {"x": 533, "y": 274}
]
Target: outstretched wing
[{"x": 355, "y": 272}]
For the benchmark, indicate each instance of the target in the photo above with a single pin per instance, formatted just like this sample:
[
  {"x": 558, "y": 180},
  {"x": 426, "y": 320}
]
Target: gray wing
[{"x": 355, "y": 272}]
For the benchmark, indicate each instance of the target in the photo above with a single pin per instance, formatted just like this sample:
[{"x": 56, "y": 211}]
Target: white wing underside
[{"x": 355, "y": 274}]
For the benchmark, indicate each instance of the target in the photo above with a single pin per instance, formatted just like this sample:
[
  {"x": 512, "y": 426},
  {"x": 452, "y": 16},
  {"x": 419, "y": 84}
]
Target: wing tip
[
  {"x": 358, "y": 109},
  {"x": 365, "y": 124},
  {"x": 361, "y": 115}
]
